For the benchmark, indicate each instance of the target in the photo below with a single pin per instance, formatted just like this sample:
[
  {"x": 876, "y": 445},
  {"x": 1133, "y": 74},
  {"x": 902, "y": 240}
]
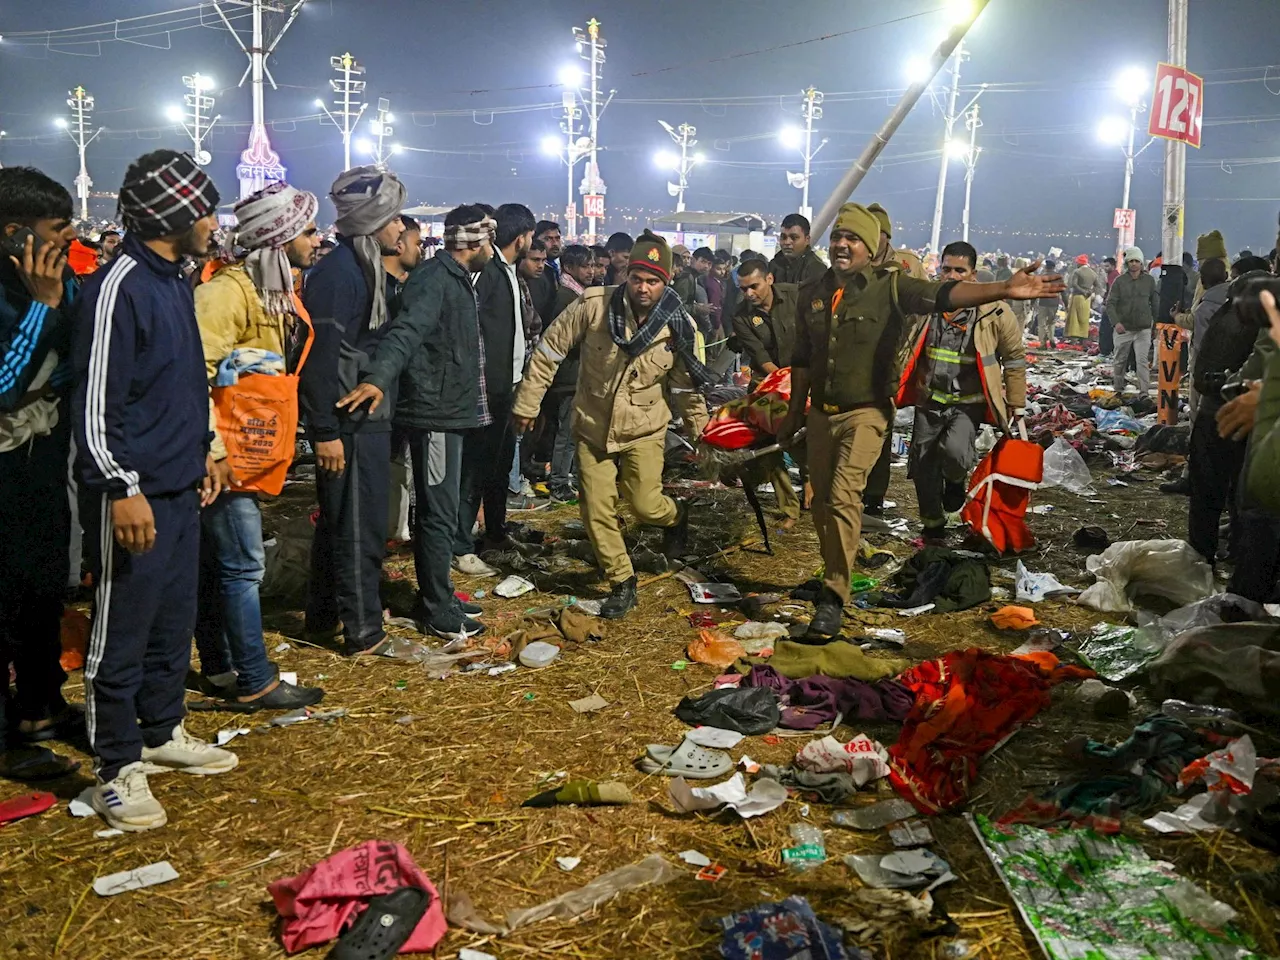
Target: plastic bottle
[
  {"x": 1198, "y": 713},
  {"x": 810, "y": 850}
]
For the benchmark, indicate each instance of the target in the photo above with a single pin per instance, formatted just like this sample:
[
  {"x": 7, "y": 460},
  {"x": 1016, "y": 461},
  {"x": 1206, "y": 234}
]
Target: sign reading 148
[{"x": 1177, "y": 106}]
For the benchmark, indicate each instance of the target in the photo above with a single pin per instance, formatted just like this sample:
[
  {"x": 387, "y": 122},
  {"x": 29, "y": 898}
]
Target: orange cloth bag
[
  {"x": 258, "y": 422},
  {"x": 1001, "y": 490}
]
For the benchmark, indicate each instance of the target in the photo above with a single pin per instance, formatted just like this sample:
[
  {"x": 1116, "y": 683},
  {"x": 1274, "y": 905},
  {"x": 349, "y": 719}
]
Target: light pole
[
  {"x": 1175, "y": 151},
  {"x": 574, "y": 148},
  {"x": 193, "y": 118},
  {"x": 1117, "y": 132},
  {"x": 811, "y": 110},
  {"x": 681, "y": 165},
  {"x": 382, "y": 130},
  {"x": 591, "y": 48},
  {"x": 81, "y": 104},
  {"x": 935, "y": 237},
  {"x": 348, "y": 102},
  {"x": 972, "y": 122}
]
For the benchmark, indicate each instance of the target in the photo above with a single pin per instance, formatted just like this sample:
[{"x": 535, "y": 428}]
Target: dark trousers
[
  {"x": 140, "y": 644},
  {"x": 1255, "y": 546},
  {"x": 487, "y": 453},
  {"x": 1106, "y": 336},
  {"x": 1214, "y": 470},
  {"x": 350, "y": 542},
  {"x": 437, "y": 471},
  {"x": 35, "y": 525},
  {"x": 878, "y": 479}
]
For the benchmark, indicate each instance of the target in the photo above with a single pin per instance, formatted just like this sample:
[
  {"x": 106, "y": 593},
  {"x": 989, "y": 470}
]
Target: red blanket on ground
[{"x": 966, "y": 703}]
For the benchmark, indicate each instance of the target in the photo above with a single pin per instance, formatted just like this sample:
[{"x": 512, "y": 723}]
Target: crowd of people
[{"x": 174, "y": 378}]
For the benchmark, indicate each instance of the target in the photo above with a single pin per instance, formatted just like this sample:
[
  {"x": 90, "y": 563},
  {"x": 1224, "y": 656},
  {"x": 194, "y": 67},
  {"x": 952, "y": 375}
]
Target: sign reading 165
[{"x": 1177, "y": 107}]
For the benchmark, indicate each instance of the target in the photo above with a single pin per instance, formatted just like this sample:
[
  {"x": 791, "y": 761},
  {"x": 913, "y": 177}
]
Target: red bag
[{"x": 1000, "y": 492}]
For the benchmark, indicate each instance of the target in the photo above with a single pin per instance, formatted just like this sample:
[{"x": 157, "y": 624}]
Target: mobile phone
[{"x": 15, "y": 244}]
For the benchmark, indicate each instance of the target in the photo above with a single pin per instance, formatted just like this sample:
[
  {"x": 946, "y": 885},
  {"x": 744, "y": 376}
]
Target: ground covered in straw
[{"x": 442, "y": 766}]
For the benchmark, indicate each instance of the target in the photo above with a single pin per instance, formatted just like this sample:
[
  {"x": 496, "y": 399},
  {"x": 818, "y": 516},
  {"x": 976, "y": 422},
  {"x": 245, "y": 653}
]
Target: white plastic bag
[
  {"x": 1064, "y": 467},
  {"x": 1165, "y": 568}
]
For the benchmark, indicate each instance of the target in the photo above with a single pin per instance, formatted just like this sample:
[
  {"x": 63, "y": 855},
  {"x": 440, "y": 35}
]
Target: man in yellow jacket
[
  {"x": 637, "y": 351},
  {"x": 249, "y": 317}
]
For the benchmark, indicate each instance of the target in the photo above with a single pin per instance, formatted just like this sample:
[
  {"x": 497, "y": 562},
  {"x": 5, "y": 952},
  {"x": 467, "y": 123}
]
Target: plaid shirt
[{"x": 486, "y": 418}]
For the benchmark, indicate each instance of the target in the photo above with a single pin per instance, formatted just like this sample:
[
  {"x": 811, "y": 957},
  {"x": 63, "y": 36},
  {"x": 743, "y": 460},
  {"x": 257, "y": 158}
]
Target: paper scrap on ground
[
  {"x": 589, "y": 704},
  {"x": 466, "y": 953},
  {"x": 714, "y": 593},
  {"x": 764, "y": 796},
  {"x": 226, "y": 736},
  {"x": 862, "y": 757},
  {"x": 568, "y": 863},
  {"x": 695, "y": 859},
  {"x": 1033, "y": 587},
  {"x": 714, "y": 737},
  {"x": 148, "y": 876},
  {"x": 290, "y": 677},
  {"x": 108, "y": 833},
  {"x": 81, "y": 805}
]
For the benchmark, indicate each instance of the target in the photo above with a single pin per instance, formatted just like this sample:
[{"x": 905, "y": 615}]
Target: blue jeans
[
  {"x": 229, "y": 622},
  {"x": 564, "y": 457}
]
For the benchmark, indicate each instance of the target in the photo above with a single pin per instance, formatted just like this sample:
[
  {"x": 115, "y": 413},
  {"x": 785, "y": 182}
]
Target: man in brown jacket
[{"x": 635, "y": 341}]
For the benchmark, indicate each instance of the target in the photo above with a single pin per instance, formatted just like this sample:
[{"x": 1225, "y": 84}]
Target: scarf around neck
[
  {"x": 367, "y": 199},
  {"x": 668, "y": 312}
]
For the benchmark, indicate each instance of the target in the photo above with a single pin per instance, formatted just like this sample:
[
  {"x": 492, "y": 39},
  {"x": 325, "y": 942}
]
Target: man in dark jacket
[
  {"x": 37, "y": 293},
  {"x": 345, "y": 294},
  {"x": 795, "y": 261},
  {"x": 1133, "y": 303},
  {"x": 618, "y": 247},
  {"x": 141, "y": 415},
  {"x": 433, "y": 349},
  {"x": 576, "y": 272},
  {"x": 543, "y": 289}
]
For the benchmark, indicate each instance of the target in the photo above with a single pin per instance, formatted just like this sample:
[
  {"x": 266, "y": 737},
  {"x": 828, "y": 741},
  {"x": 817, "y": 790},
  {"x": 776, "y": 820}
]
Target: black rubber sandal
[{"x": 380, "y": 932}]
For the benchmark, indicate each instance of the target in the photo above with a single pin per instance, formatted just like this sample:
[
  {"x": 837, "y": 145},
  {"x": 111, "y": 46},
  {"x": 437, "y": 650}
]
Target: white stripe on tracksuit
[
  {"x": 95, "y": 423},
  {"x": 101, "y": 617}
]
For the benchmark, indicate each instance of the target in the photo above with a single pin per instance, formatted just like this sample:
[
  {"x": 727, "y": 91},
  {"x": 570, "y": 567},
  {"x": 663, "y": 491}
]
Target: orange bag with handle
[
  {"x": 1001, "y": 490},
  {"x": 258, "y": 422}
]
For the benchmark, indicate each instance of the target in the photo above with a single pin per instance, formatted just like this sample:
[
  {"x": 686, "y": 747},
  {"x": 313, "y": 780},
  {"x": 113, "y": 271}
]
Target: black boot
[
  {"x": 954, "y": 495},
  {"x": 675, "y": 539},
  {"x": 827, "y": 616},
  {"x": 621, "y": 599},
  {"x": 1181, "y": 486}
]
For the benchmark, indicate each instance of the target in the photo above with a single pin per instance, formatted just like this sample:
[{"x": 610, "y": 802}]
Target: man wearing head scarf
[
  {"x": 250, "y": 318},
  {"x": 141, "y": 415},
  {"x": 345, "y": 294},
  {"x": 637, "y": 349},
  {"x": 434, "y": 350},
  {"x": 848, "y": 330},
  {"x": 1081, "y": 286}
]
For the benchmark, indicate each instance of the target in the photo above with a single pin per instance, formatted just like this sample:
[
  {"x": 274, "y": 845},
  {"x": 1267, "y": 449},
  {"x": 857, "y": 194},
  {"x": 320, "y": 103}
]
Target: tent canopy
[
  {"x": 728, "y": 222},
  {"x": 431, "y": 212}
]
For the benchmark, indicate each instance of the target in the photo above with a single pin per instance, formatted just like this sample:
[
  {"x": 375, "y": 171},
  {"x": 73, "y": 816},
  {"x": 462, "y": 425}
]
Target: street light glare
[
  {"x": 1131, "y": 84},
  {"x": 958, "y": 149},
  {"x": 396, "y": 148},
  {"x": 551, "y": 145},
  {"x": 570, "y": 76},
  {"x": 201, "y": 82},
  {"x": 173, "y": 113},
  {"x": 791, "y": 137},
  {"x": 60, "y": 122},
  {"x": 364, "y": 145},
  {"x": 917, "y": 70},
  {"x": 666, "y": 160},
  {"x": 319, "y": 103},
  {"x": 1113, "y": 131},
  {"x": 699, "y": 157}
]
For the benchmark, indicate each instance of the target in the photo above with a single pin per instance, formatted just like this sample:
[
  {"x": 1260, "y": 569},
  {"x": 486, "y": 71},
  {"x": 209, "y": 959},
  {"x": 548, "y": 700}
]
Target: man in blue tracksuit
[
  {"x": 36, "y": 295},
  {"x": 141, "y": 416}
]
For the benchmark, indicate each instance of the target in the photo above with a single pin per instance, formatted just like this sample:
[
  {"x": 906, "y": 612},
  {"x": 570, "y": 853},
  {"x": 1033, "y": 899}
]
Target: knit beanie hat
[
  {"x": 1210, "y": 245},
  {"x": 1135, "y": 253},
  {"x": 861, "y": 222},
  {"x": 881, "y": 214},
  {"x": 652, "y": 253}
]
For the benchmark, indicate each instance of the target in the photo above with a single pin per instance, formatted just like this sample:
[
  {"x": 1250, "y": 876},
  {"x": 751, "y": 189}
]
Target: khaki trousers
[
  {"x": 842, "y": 450},
  {"x": 637, "y": 473},
  {"x": 772, "y": 468}
]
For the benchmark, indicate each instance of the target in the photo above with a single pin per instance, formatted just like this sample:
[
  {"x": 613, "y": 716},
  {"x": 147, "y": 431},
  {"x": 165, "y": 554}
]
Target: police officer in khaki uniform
[
  {"x": 637, "y": 347},
  {"x": 849, "y": 328},
  {"x": 764, "y": 326}
]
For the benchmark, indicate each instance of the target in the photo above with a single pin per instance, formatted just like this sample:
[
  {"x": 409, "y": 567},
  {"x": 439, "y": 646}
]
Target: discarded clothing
[
  {"x": 1014, "y": 618},
  {"x": 862, "y": 758},
  {"x": 322, "y": 900},
  {"x": 967, "y": 702},
  {"x": 839, "y": 659},
  {"x": 789, "y": 930},
  {"x": 945, "y": 578},
  {"x": 748, "y": 710},
  {"x": 1163, "y": 438},
  {"x": 248, "y": 360},
  {"x": 827, "y": 788},
  {"x": 813, "y": 702}
]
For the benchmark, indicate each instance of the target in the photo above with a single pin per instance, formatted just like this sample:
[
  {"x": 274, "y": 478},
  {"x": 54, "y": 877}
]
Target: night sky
[{"x": 451, "y": 70}]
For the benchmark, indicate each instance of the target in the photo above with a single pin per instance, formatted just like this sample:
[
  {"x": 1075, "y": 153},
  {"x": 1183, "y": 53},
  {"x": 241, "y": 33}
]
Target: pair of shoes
[
  {"x": 827, "y": 616},
  {"x": 451, "y": 624},
  {"x": 472, "y": 566},
  {"x": 522, "y": 503},
  {"x": 954, "y": 495},
  {"x": 284, "y": 696},
  {"x": 675, "y": 539},
  {"x": 563, "y": 496},
  {"x": 468, "y": 608},
  {"x": 1180, "y": 486},
  {"x": 621, "y": 600}
]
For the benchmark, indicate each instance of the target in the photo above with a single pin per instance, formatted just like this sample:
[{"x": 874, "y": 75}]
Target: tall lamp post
[
  {"x": 81, "y": 104},
  {"x": 1119, "y": 131},
  {"x": 348, "y": 105},
  {"x": 802, "y": 140},
  {"x": 195, "y": 118},
  {"x": 591, "y": 46},
  {"x": 681, "y": 164},
  {"x": 968, "y": 152},
  {"x": 575, "y": 147}
]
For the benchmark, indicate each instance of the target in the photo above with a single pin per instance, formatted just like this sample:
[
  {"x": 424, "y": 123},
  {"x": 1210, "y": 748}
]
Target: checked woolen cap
[{"x": 168, "y": 199}]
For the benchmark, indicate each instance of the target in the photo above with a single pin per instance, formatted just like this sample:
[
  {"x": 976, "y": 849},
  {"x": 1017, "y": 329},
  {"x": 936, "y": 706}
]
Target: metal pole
[
  {"x": 346, "y": 113},
  {"x": 684, "y": 168},
  {"x": 971, "y": 164},
  {"x": 82, "y": 179},
  {"x": 1128, "y": 179},
  {"x": 595, "y": 117},
  {"x": 1175, "y": 151},
  {"x": 805, "y": 211},
  {"x": 854, "y": 175},
  {"x": 255, "y": 61},
  {"x": 935, "y": 237}
]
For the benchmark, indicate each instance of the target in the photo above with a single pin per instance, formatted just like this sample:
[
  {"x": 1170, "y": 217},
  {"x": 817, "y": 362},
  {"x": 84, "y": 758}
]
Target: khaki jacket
[
  {"x": 230, "y": 315},
  {"x": 620, "y": 400},
  {"x": 1002, "y": 363}
]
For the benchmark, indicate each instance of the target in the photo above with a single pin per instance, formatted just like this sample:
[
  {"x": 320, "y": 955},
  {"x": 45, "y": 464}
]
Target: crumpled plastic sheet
[
  {"x": 764, "y": 796},
  {"x": 1231, "y": 664},
  {"x": 1117, "y": 421},
  {"x": 652, "y": 870},
  {"x": 1064, "y": 467},
  {"x": 1034, "y": 587},
  {"x": 1164, "y": 568}
]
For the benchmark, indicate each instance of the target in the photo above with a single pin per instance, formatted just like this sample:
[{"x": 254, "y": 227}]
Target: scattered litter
[
  {"x": 1034, "y": 587},
  {"x": 539, "y": 654},
  {"x": 1198, "y": 907},
  {"x": 226, "y": 736},
  {"x": 1091, "y": 538},
  {"x": 80, "y": 806},
  {"x": 714, "y": 737},
  {"x": 466, "y": 953},
  {"x": 714, "y": 593},
  {"x": 513, "y": 586},
  {"x": 862, "y": 757},
  {"x": 1132, "y": 568},
  {"x": 148, "y": 876},
  {"x": 810, "y": 850},
  {"x": 653, "y": 869},
  {"x": 764, "y": 796},
  {"x": 887, "y": 634},
  {"x": 711, "y": 874},
  {"x": 1116, "y": 652},
  {"x": 1014, "y": 618},
  {"x": 715, "y": 649},
  {"x": 108, "y": 833},
  {"x": 568, "y": 864},
  {"x": 1228, "y": 774},
  {"x": 695, "y": 859},
  {"x": 749, "y": 710},
  {"x": 290, "y": 677},
  {"x": 1108, "y": 703},
  {"x": 1041, "y": 509},
  {"x": 780, "y": 931},
  {"x": 583, "y": 793},
  {"x": 916, "y": 611},
  {"x": 913, "y": 833},
  {"x": 589, "y": 704},
  {"x": 282, "y": 647},
  {"x": 679, "y": 664},
  {"x": 1042, "y": 640},
  {"x": 899, "y": 871},
  {"x": 876, "y": 815},
  {"x": 501, "y": 669},
  {"x": 334, "y": 714},
  {"x": 749, "y": 765},
  {"x": 1064, "y": 467},
  {"x": 406, "y": 720},
  {"x": 591, "y": 607}
]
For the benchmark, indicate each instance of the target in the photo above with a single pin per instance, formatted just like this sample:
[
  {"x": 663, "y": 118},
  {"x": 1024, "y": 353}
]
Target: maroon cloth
[
  {"x": 814, "y": 701},
  {"x": 715, "y": 297}
]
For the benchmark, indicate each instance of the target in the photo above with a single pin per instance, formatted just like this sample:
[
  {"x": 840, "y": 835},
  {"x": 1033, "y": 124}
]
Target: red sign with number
[
  {"x": 593, "y": 205},
  {"x": 1123, "y": 219},
  {"x": 1177, "y": 106}
]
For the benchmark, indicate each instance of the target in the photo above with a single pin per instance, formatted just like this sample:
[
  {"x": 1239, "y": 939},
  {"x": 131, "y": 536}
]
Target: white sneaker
[
  {"x": 473, "y": 566},
  {"x": 188, "y": 754},
  {"x": 126, "y": 802}
]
